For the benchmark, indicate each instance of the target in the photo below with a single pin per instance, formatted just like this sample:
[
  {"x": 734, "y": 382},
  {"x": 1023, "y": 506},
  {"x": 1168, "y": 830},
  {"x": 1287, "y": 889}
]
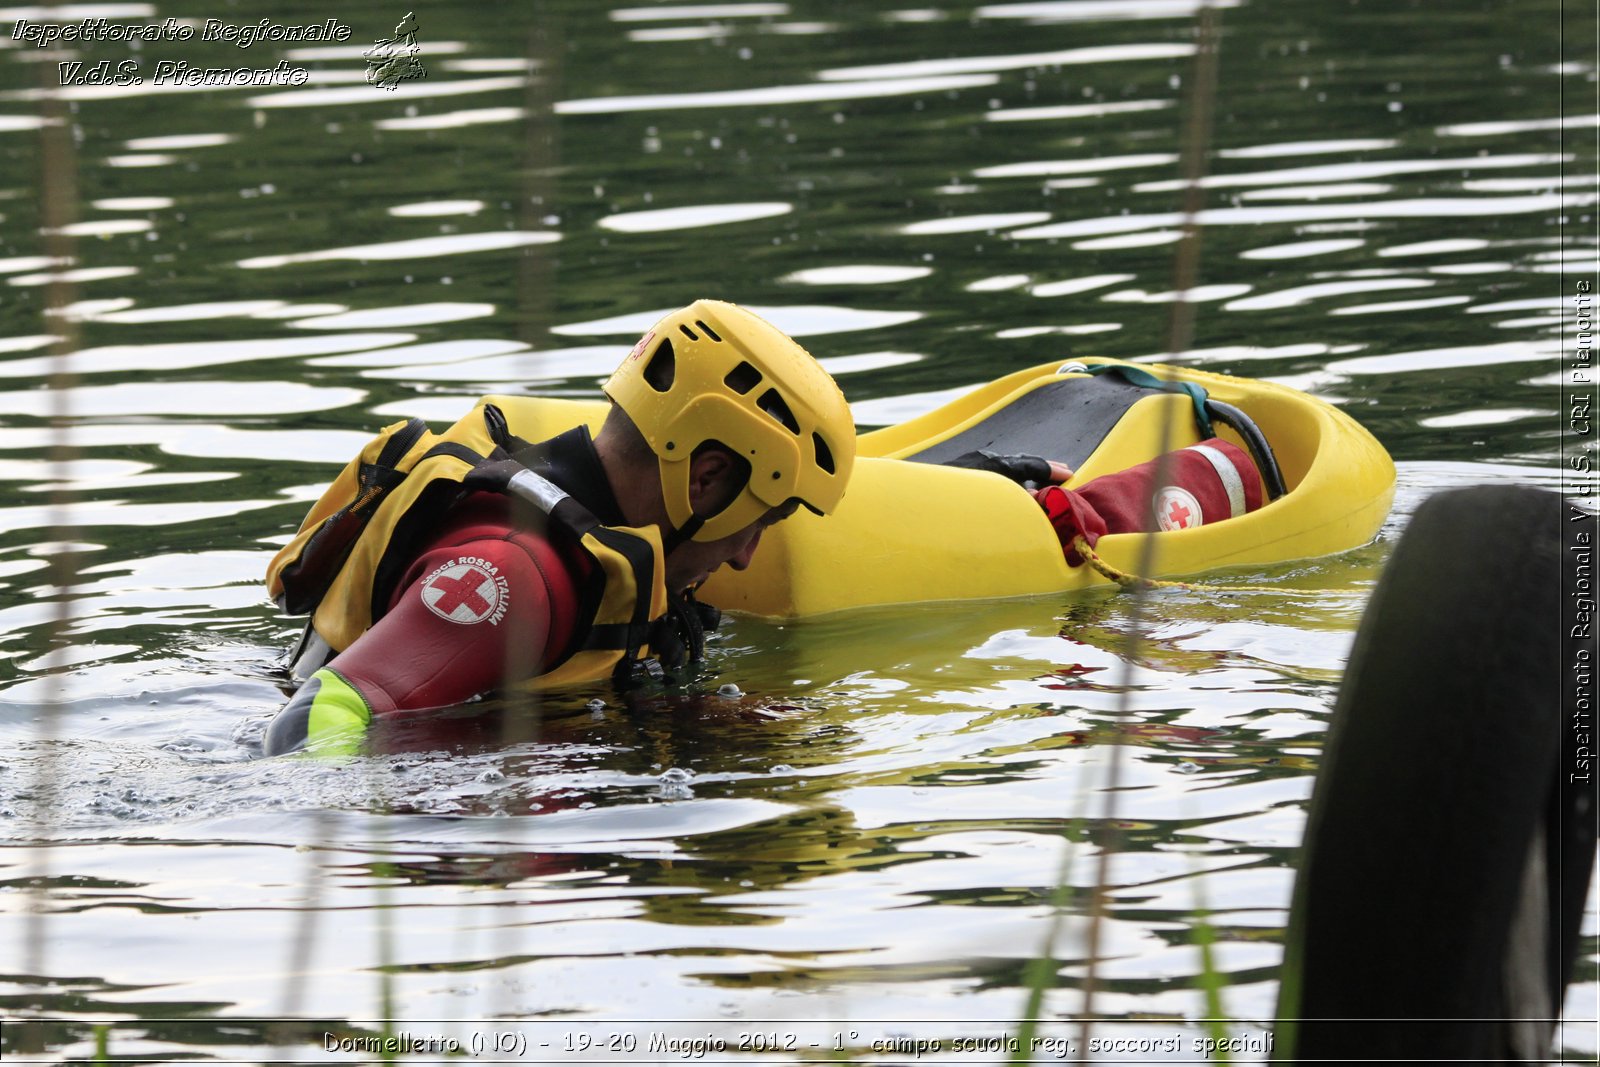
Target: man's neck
[{"x": 639, "y": 498}]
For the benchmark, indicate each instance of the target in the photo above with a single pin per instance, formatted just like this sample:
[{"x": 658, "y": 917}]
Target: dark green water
[{"x": 1398, "y": 200}]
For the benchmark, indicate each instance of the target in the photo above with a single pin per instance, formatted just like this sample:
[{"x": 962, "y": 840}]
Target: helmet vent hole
[
  {"x": 824, "y": 453},
  {"x": 663, "y": 367},
  {"x": 742, "y": 379},
  {"x": 774, "y": 405},
  {"x": 708, "y": 331},
  {"x": 690, "y": 334}
]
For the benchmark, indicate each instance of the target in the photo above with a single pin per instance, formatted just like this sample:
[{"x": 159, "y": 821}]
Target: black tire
[{"x": 1440, "y": 823}]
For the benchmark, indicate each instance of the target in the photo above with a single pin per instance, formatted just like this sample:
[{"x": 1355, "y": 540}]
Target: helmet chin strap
[
  {"x": 693, "y": 524},
  {"x": 683, "y": 533}
]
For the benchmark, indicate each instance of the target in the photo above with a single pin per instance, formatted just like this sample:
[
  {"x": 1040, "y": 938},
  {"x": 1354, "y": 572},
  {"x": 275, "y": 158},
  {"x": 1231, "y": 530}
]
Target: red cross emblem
[
  {"x": 462, "y": 592},
  {"x": 644, "y": 342},
  {"x": 1177, "y": 509}
]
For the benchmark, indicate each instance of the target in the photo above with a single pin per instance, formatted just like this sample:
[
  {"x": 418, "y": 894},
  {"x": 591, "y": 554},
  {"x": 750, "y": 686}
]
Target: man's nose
[{"x": 742, "y": 560}]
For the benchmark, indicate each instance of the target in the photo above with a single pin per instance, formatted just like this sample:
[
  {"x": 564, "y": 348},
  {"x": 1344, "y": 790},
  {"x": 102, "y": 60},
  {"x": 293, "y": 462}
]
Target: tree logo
[{"x": 393, "y": 61}]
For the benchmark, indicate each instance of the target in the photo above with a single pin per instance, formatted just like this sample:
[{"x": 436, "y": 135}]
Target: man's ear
[{"x": 710, "y": 475}]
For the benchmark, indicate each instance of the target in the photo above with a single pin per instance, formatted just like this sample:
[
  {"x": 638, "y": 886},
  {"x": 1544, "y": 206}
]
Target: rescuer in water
[{"x": 441, "y": 568}]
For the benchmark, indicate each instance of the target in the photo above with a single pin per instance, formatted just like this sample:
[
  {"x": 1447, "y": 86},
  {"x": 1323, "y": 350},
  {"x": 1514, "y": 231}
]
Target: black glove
[
  {"x": 679, "y": 637},
  {"x": 1020, "y": 469}
]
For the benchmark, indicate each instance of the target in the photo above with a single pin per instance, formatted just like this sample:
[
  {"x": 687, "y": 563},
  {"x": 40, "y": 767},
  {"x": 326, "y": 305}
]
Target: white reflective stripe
[
  {"x": 537, "y": 490},
  {"x": 1231, "y": 482}
]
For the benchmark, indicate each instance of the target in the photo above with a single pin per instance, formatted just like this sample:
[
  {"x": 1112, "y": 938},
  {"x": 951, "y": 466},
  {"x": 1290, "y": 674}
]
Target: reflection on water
[{"x": 850, "y": 819}]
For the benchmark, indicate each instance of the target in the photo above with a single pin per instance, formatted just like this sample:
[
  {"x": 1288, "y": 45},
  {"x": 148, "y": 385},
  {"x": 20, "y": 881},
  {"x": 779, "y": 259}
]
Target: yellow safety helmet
[{"x": 716, "y": 372}]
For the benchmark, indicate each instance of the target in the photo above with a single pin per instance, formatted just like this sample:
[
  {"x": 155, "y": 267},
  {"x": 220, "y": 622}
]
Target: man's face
[{"x": 694, "y": 561}]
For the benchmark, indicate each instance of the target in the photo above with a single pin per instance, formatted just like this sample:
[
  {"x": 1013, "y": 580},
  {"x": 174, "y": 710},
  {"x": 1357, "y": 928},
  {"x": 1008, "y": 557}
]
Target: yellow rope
[
  {"x": 1133, "y": 581},
  {"x": 1122, "y": 578}
]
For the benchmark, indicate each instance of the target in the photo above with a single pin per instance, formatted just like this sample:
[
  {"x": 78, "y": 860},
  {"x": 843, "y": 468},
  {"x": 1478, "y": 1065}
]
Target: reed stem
[
  {"x": 57, "y": 211},
  {"x": 1199, "y": 105}
]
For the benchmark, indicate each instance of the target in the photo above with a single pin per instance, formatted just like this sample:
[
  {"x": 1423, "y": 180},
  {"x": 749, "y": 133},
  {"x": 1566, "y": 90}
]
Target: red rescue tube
[{"x": 1202, "y": 484}]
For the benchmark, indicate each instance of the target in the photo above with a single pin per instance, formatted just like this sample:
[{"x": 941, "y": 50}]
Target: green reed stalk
[
  {"x": 1186, "y": 271},
  {"x": 1040, "y": 974},
  {"x": 58, "y": 196},
  {"x": 521, "y": 707},
  {"x": 386, "y": 970},
  {"x": 1200, "y": 103},
  {"x": 303, "y": 945},
  {"x": 1212, "y": 982}
]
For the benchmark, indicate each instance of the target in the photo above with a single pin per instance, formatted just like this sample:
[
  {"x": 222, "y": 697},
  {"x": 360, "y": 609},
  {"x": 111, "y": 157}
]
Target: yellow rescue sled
[
  {"x": 921, "y": 531},
  {"x": 912, "y": 529}
]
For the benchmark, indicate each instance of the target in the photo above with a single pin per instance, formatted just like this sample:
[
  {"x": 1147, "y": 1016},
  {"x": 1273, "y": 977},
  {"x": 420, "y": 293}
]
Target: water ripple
[
  {"x": 20, "y": 123},
  {"x": 517, "y": 367},
  {"x": 452, "y": 120},
  {"x": 205, "y": 442},
  {"x": 1402, "y": 305},
  {"x": 364, "y": 94},
  {"x": 1045, "y": 12},
  {"x": 1435, "y": 359},
  {"x": 1295, "y": 296},
  {"x": 1344, "y": 172},
  {"x": 1318, "y": 192},
  {"x": 692, "y": 216},
  {"x": 219, "y": 309},
  {"x": 1086, "y": 165},
  {"x": 176, "y": 142},
  {"x": 1076, "y": 111},
  {"x": 973, "y": 223},
  {"x": 1069, "y": 286},
  {"x": 188, "y": 355},
  {"x": 214, "y": 399},
  {"x": 1434, "y": 248},
  {"x": 1308, "y": 148},
  {"x": 428, "y": 209},
  {"x": 1434, "y": 207},
  {"x": 857, "y": 274},
  {"x": 797, "y": 320},
  {"x": 1302, "y": 249},
  {"x": 670, "y": 12},
  {"x": 776, "y": 94},
  {"x": 1501, "y": 127},
  {"x": 17, "y": 264},
  {"x": 923, "y": 68},
  {"x": 398, "y": 316},
  {"x": 77, "y": 276},
  {"x": 122, "y": 513},
  {"x": 430, "y": 354},
  {"x": 417, "y": 248}
]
